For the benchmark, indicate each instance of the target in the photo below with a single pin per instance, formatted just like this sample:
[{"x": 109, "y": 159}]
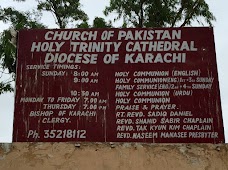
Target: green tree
[
  {"x": 16, "y": 20},
  {"x": 83, "y": 24},
  {"x": 160, "y": 13},
  {"x": 99, "y": 22},
  {"x": 64, "y": 11}
]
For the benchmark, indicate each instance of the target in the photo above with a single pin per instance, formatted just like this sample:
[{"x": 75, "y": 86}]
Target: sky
[{"x": 95, "y": 8}]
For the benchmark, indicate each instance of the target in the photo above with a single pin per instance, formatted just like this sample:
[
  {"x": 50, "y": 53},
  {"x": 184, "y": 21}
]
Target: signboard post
[{"x": 120, "y": 85}]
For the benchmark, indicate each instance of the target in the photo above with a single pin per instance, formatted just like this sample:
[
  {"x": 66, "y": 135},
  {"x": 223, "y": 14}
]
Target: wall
[{"x": 114, "y": 156}]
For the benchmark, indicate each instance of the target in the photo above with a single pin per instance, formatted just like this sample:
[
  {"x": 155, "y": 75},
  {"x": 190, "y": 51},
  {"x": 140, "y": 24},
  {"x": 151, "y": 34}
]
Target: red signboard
[{"x": 121, "y": 85}]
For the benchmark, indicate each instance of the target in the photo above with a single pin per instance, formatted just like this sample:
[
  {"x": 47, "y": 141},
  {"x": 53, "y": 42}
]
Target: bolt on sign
[{"x": 121, "y": 85}]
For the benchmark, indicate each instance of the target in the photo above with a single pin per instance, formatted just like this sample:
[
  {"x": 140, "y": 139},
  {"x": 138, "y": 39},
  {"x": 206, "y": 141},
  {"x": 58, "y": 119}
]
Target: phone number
[{"x": 59, "y": 134}]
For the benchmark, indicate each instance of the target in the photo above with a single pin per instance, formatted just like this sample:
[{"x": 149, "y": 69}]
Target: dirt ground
[{"x": 114, "y": 156}]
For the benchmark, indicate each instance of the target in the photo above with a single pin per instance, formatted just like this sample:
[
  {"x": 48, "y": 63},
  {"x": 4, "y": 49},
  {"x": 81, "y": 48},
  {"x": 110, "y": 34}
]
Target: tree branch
[
  {"x": 195, "y": 5},
  {"x": 141, "y": 14},
  {"x": 177, "y": 16}
]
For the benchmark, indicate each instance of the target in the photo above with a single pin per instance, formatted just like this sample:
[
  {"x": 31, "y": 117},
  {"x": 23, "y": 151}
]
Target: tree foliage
[
  {"x": 98, "y": 22},
  {"x": 64, "y": 11},
  {"x": 7, "y": 60},
  {"x": 160, "y": 13},
  {"x": 17, "y": 20}
]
